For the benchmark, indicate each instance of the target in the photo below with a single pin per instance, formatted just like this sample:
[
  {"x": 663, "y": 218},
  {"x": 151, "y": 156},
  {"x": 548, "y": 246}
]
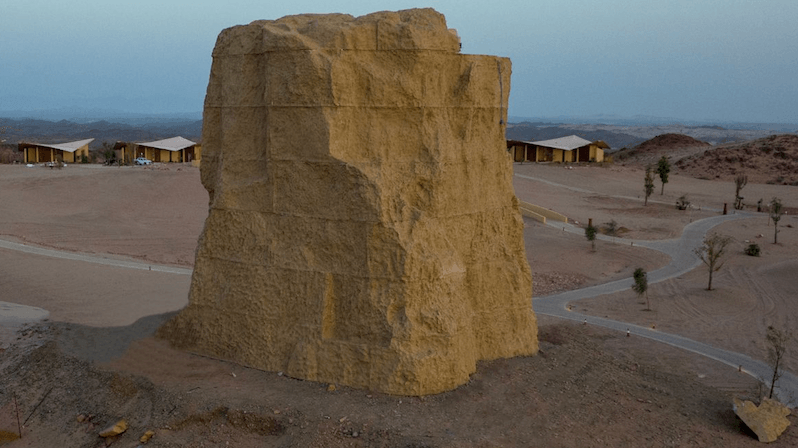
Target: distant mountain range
[
  {"x": 138, "y": 129},
  {"x": 619, "y": 136},
  {"x": 62, "y": 125},
  {"x": 648, "y": 120}
]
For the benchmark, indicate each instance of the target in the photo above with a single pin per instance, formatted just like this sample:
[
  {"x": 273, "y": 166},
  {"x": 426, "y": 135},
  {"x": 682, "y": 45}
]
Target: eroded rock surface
[
  {"x": 363, "y": 228},
  {"x": 767, "y": 421}
]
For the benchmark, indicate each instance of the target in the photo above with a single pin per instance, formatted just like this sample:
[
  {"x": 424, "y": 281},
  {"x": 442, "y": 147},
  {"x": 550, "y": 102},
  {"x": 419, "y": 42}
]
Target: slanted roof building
[
  {"x": 70, "y": 152},
  {"x": 175, "y": 149},
  {"x": 571, "y": 148}
]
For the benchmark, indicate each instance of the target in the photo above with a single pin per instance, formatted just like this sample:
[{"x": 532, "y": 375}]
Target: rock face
[
  {"x": 767, "y": 421},
  {"x": 363, "y": 229}
]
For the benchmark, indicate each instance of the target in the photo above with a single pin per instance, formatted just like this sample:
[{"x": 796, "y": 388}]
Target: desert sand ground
[{"x": 588, "y": 387}]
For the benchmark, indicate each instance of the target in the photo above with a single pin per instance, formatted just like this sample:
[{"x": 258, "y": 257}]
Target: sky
[{"x": 705, "y": 60}]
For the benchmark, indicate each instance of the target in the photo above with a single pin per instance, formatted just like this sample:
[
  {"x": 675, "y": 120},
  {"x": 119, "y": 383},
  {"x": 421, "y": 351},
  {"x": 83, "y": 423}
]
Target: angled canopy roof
[
  {"x": 601, "y": 144},
  {"x": 567, "y": 143},
  {"x": 170, "y": 144},
  {"x": 68, "y": 147}
]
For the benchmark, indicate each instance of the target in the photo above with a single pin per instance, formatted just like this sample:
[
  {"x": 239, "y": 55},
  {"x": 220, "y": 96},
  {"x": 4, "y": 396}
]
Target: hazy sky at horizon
[{"x": 731, "y": 60}]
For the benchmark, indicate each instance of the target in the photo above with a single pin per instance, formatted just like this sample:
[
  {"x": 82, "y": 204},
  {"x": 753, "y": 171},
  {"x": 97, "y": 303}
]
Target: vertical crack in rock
[{"x": 362, "y": 226}]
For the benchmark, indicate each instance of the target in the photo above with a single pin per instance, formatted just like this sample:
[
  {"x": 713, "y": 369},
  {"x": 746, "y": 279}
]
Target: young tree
[
  {"x": 590, "y": 234},
  {"x": 108, "y": 153},
  {"x": 777, "y": 347},
  {"x": 663, "y": 168},
  {"x": 712, "y": 252},
  {"x": 776, "y": 210},
  {"x": 641, "y": 285},
  {"x": 649, "y": 182},
  {"x": 739, "y": 182}
]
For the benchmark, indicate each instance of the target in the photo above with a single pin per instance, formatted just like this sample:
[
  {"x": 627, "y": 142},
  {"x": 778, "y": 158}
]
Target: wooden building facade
[
  {"x": 564, "y": 149},
  {"x": 70, "y": 152},
  {"x": 175, "y": 149}
]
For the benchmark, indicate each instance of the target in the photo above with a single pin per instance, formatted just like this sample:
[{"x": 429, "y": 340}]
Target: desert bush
[
  {"x": 8, "y": 155},
  {"x": 682, "y": 203},
  {"x": 611, "y": 228},
  {"x": 753, "y": 250}
]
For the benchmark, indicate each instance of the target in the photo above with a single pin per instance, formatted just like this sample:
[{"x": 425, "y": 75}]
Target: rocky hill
[
  {"x": 669, "y": 141},
  {"x": 672, "y": 145},
  {"x": 771, "y": 160},
  {"x": 43, "y": 131},
  {"x": 620, "y": 136}
]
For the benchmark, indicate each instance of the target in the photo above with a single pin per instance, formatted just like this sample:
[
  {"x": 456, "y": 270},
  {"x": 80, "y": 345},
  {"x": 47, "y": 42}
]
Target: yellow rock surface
[
  {"x": 363, "y": 229},
  {"x": 767, "y": 421},
  {"x": 115, "y": 429},
  {"x": 147, "y": 436}
]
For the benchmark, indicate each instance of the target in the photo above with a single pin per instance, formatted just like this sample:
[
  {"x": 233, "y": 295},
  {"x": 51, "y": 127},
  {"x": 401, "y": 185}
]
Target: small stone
[
  {"x": 342, "y": 419},
  {"x": 114, "y": 430},
  {"x": 276, "y": 411},
  {"x": 81, "y": 418},
  {"x": 331, "y": 388},
  {"x": 147, "y": 436},
  {"x": 355, "y": 434}
]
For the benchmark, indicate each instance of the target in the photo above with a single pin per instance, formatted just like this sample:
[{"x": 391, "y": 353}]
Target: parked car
[{"x": 143, "y": 161}]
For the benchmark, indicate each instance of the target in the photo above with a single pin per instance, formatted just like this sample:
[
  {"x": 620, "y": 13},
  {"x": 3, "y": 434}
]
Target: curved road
[
  {"x": 15, "y": 314},
  {"x": 683, "y": 260}
]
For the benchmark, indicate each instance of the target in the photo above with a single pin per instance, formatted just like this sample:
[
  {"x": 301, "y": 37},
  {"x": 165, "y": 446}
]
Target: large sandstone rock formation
[{"x": 363, "y": 228}]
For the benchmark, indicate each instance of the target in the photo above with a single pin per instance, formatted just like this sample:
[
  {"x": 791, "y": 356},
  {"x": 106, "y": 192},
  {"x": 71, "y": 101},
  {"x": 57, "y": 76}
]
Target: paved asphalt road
[
  {"x": 12, "y": 314},
  {"x": 683, "y": 259}
]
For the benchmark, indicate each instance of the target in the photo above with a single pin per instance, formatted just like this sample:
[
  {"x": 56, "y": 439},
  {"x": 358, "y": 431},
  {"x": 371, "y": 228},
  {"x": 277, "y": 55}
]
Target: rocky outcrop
[
  {"x": 362, "y": 228},
  {"x": 767, "y": 421}
]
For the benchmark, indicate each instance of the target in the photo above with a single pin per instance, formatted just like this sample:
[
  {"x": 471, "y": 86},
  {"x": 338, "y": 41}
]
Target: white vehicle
[{"x": 143, "y": 161}]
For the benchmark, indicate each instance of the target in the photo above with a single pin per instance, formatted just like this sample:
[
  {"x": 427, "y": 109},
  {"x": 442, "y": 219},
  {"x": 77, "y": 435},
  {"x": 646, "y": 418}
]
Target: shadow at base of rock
[{"x": 104, "y": 344}]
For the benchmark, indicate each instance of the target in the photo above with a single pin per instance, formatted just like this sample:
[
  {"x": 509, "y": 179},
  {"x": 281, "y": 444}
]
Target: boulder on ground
[
  {"x": 115, "y": 429},
  {"x": 767, "y": 421}
]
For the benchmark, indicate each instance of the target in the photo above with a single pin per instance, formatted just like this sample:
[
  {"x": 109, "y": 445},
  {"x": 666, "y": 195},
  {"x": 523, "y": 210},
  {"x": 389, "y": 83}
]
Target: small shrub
[
  {"x": 611, "y": 228},
  {"x": 682, "y": 203},
  {"x": 752, "y": 250},
  {"x": 9, "y": 155}
]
